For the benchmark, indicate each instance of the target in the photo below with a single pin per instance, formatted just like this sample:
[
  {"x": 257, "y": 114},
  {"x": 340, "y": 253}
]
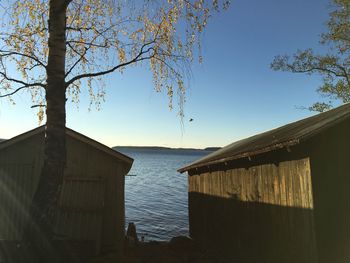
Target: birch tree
[{"x": 62, "y": 48}]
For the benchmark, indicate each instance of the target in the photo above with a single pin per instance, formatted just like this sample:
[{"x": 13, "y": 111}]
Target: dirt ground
[{"x": 181, "y": 250}]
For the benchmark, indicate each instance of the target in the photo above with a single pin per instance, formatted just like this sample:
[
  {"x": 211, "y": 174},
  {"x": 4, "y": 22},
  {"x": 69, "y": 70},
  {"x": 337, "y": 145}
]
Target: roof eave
[
  {"x": 99, "y": 146},
  {"x": 22, "y": 136},
  {"x": 73, "y": 134},
  {"x": 269, "y": 148}
]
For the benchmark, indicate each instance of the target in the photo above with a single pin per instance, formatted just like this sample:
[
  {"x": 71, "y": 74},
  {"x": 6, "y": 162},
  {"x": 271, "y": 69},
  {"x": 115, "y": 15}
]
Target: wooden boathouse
[
  {"x": 91, "y": 205},
  {"x": 279, "y": 196}
]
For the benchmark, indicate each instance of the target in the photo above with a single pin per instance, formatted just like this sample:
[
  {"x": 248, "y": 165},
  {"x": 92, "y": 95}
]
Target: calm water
[{"x": 156, "y": 198}]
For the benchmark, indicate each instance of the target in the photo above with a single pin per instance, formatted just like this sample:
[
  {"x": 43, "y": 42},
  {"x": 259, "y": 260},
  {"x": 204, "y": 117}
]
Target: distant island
[{"x": 160, "y": 148}]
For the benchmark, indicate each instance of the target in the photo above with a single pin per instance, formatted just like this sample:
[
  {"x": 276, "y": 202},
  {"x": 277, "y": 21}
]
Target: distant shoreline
[
  {"x": 157, "y": 148},
  {"x": 160, "y": 148}
]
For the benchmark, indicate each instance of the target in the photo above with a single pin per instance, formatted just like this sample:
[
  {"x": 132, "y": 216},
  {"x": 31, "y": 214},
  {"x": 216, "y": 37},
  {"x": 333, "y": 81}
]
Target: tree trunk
[{"x": 48, "y": 190}]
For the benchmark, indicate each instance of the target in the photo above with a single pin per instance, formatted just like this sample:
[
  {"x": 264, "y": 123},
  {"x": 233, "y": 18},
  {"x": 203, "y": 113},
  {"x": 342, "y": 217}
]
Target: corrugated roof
[
  {"x": 74, "y": 134},
  {"x": 287, "y": 135}
]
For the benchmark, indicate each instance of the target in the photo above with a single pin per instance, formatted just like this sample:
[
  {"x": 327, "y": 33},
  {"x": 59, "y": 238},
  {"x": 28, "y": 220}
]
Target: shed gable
[{"x": 282, "y": 137}]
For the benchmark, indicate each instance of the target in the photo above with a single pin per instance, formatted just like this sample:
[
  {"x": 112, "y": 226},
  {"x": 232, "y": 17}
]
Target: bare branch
[
  {"x": 74, "y": 50},
  {"x": 77, "y": 62},
  {"x": 90, "y": 44},
  {"x": 346, "y": 74},
  {"x": 312, "y": 69},
  {"x": 79, "y": 29},
  {"x": 17, "y": 90},
  {"x": 23, "y": 83},
  {"x": 14, "y": 53},
  {"x": 32, "y": 67},
  {"x": 38, "y": 105},
  {"x": 137, "y": 58}
]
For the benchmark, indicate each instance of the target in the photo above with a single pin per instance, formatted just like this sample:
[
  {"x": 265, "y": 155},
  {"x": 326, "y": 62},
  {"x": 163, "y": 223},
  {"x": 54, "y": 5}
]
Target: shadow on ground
[{"x": 178, "y": 250}]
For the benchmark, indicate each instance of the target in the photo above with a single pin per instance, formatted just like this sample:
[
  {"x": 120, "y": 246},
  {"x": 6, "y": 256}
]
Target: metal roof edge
[
  {"x": 324, "y": 127},
  {"x": 328, "y": 120},
  {"x": 269, "y": 148}
]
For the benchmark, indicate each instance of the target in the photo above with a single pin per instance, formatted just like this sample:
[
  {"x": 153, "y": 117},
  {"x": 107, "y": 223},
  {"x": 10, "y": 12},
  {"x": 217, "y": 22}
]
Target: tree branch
[
  {"x": 79, "y": 29},
  {"x": 14, "y": 53},
  {"x": 311, "y": 69},
  {"x": 17, "y": 90},
  {"x": 137, "y": 58},
  {"x": 32, "y": 67},
  {"x": 346, "y": 75},
  {"x": 23, "y": 83},
  {"x": 38, "y": 105},
  {"x": 90, "y": 44},
  {"x": 74, "y": 50},
  {"x": 77, "y": 62}
]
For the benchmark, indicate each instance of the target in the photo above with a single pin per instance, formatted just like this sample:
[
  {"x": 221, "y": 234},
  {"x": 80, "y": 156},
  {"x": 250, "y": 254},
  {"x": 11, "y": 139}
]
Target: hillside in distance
[{"x": 160, "y": 148}]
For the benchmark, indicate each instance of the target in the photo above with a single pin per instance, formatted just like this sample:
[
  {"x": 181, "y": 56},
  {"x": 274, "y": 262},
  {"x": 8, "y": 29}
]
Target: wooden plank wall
[
  {"x": 85, "y": 161},
  {"x": 20, "y": 167},
  {"x": 261, "y": 213},
  {"x": 330, "y": 161},
  {"x": 80, "y": 210},
  {"x": 19, "y": 173},
  {"x": 16, "y": 189}
]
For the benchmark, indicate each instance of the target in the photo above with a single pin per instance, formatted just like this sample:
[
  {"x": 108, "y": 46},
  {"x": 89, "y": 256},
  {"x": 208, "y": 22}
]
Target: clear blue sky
[{"x": 232, "y": 95}]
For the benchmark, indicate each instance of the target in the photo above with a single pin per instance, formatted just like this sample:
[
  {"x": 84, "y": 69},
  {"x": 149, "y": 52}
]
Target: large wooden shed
[
  {"x": 279, "y": 196},
  {"x": 91, "y": 205}
]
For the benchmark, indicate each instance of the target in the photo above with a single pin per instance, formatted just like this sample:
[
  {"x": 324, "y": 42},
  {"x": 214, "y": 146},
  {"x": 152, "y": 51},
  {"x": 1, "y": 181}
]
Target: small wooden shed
[
  {"x": 279, "y": 196},
  {"x": 91, "y": 205}
]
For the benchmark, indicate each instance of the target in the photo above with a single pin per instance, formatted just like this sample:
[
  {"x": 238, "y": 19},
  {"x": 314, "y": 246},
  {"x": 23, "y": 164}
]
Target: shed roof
[
  {"x": 71, "y": 133},
  {"x": 284, "y": 136}
]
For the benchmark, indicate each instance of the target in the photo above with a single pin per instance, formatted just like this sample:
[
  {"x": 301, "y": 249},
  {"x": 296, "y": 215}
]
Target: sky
[{"x": 233, "y": 94}]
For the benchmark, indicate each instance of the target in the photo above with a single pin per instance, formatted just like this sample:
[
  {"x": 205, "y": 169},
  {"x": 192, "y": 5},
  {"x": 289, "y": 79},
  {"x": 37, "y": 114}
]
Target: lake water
[{"x": 156, "y": 198}]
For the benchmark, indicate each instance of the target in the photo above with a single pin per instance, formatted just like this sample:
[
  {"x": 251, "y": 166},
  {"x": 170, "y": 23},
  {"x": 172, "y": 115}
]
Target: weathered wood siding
[
  {"x": 92, "y": 201},
  {"x": 262, "y": 213},
  {"x": 85, "y": 161},
  {"x": 19, "y": 175},
  {"x": 330, "y": 166},
  {"x": 80, "y": 210}
]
